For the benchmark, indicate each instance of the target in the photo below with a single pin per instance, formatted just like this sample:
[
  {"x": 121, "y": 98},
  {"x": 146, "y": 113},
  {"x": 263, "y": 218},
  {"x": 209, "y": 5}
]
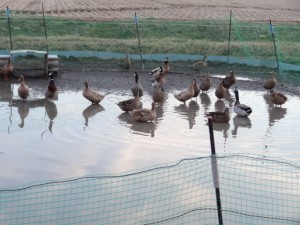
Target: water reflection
[
  {"x": 91, "y": 111},
  {"x": 219, "y": 106},
  {"x": 51, "y": 111},
  {"x": 268, "y": 100},
  {"x": 23, "y": 110},
  {"x": 159, "y": 113},
  {"x": 190, "y": 111},
  {"x": 6, "y": 91},
  {"x": 229, "y": 98},
  {"x": 205, "y": 101},
  {"x": 276, "y": 114},
  {"x": 223, "y": 128},
  {"x": 239, "y": 121},
  {"x": 138, "y": 127}
]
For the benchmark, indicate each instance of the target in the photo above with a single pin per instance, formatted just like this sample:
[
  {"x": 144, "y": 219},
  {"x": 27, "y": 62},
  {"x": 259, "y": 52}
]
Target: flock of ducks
[
  {"x": 134, "y": 105},
  {"x": 159, "y": 78}
]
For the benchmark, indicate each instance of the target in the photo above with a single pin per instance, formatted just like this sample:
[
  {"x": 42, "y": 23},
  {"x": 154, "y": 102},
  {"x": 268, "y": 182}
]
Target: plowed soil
[{"x": 98, "y": 10}]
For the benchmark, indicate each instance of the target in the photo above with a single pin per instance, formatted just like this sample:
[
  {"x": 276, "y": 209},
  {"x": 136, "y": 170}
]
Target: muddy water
[{"x": 70, "y": 137}]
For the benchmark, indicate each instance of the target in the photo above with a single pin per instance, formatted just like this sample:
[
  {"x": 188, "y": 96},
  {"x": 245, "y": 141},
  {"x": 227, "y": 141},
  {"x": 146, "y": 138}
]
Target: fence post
[
  {"x": 138, "y": 33},
  {"x": 215, "y": 173},
  {"x": 273, "y": 37},
  {"x": 9, "y": 29},
  {"x": 229, "y": 37}
]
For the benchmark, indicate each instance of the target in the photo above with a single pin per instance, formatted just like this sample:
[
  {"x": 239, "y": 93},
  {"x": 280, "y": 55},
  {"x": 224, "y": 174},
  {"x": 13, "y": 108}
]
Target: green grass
[{"x": 248, "y": 39}]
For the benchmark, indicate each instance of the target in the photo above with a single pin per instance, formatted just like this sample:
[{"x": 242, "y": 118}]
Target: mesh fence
[
  {"x": 253, "y": 190},
  {"x": 102, "y": 45}
]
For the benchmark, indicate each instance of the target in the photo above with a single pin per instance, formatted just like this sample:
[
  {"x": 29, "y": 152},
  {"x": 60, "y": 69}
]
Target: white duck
[{"x": 241, "y": 109}]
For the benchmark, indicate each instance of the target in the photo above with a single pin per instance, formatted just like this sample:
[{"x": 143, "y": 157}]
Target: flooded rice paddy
[{"x": 68, "y": 137}]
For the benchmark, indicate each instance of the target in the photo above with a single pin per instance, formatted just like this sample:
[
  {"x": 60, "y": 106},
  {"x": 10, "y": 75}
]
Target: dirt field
[{"x": 285, "y": 10}]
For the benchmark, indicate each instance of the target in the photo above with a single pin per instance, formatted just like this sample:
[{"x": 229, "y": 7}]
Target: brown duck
[
  {"x": 228, "y": 81},
  {"x": 130, "y": 104},
  {"x": 220, "y": 117},
  {"x": 278, "y": 98},
  {"x": 220, "y": 91},
  {"x": 144, "y": 115},
  {"x": 205, "y": 83},
  {"x": 23, "y": 90},
  {"x": 186, "y": 94},
  {"x": 92, "y": 96},
  {"x": 270, "y": 83}
]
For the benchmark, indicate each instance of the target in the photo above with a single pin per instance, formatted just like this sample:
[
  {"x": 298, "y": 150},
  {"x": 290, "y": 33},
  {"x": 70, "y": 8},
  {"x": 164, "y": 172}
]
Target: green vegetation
[{"x": 248, "y": 39}]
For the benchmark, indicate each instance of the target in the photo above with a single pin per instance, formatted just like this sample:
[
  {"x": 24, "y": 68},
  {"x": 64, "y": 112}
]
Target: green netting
[
  {"x": 253, "y": 190},
  {"x": 251, "y": 44}
]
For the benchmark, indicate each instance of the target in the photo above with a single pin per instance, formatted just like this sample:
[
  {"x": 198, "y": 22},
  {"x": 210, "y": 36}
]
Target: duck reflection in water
[
  {"x": 222, "y": 127},
  {"x": 137, "y": 127},
  {"x": 51, "y": 111},
  {"x": 91, "y": 111},
  {"x": 23, "y": 110},
  {"x": 159, "y": 113},
  {"x": 275, "y": 113},
  {"x": 189, "y": 111},
  {"x": 219, "y": 106},
  {"x": 229, "y": 98},
  {"x": 205, "y": 101},
  {"x": 239, "y": 121}
]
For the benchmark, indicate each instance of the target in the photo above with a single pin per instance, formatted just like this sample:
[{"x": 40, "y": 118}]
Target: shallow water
[{"x": 70, "y": 137}]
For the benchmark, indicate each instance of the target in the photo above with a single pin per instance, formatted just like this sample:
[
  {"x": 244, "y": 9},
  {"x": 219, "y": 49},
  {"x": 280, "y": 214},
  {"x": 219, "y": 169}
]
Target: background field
[
  {"x": 97, "y": 34},
  {"x": 167, "y": 9}
]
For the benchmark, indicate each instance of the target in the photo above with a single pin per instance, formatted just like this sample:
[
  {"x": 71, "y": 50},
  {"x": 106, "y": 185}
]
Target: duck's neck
[
  {"x": 237, "y": 100},
  {"x": 136, "y": 78}
]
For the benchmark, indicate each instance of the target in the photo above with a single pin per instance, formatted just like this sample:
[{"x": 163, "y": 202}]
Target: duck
[
  {"x": 200, "y": 64},
  {"x": 158, "y": 95},
  {"x": 23, "y": 89},
  {"x": 166, "y": 66},
  {"x": 205, "y": 83},
  {"x": 130, "y": 104},
  {"x": 270, "y": 83},
  {"x": 159, "y": 78},
  {"x": 155, "y": 72},
  {"x": 92, "y": 96},
  {"x": 126, "y": 63},
  {"x": 7, "y": 69},
  {"x": 144, "y": 115},
  {"x": 220, "y": 117},
  {"x": 196, "y": 90},
  {"x": 52, "y": 90},
  {"x": 278, "y": 98},
  {"x": 220, "y": 91},
  {"x": 228, "y": 81},
  {"x": 186, "y": 94},
  {"x": 241, "y": 109},
  {"x": 137, "y": 88}
]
